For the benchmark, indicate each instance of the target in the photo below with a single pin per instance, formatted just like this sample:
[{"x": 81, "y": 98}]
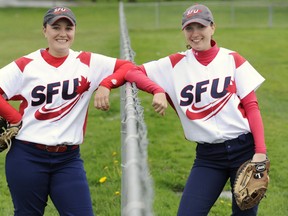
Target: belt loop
[
  {"x": 242, "y": 137},
  {"x": 245, "y": 137}
]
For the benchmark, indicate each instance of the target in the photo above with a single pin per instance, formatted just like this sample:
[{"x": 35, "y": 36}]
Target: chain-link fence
[{"x": 137, "y": 187}]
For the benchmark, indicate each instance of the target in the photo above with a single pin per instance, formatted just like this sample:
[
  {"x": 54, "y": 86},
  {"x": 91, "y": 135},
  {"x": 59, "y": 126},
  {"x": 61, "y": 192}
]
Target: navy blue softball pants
[
  {"x": 33, "y": 175},
  {"x": 213, "y": 166}
]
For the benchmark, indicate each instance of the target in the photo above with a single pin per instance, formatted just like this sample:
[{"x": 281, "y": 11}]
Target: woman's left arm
[
  {"x": 250, "y": 105},
  {"x": 117, "y": 79}
]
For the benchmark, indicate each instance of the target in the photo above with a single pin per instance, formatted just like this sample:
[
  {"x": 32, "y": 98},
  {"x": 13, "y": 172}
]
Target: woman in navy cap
[
  {"x": 55, "y": 86},
  {"x": 212, "y": 90}
]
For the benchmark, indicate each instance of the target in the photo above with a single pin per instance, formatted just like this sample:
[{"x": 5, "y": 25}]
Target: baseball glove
[
  {"x": 7, "y": 133},
  {"x": 251, "y": 183}
]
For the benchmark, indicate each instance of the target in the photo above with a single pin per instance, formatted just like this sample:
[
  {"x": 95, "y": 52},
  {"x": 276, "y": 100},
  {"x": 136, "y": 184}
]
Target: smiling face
[
  {"x": 60, "y": 36},
  {"x": 199, "y": 36}
]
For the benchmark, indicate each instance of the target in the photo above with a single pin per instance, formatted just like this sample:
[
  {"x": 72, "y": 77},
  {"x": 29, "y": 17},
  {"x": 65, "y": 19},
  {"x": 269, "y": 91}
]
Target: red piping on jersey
[
  {"x": 239, "y": 60},
  {"x": 175, "y": 58},
  {"x": 85, "y": 58},
  {"x": 22, "y": 63}
]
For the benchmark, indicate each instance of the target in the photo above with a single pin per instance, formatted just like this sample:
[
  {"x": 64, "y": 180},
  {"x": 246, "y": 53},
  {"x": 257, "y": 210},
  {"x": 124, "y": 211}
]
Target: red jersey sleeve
[
  {"x": 7, "y": 111},
  {"x": 253, "y": 115},
  {"x": 118, "y": 77},
  {"x": 139, "y": 77}
]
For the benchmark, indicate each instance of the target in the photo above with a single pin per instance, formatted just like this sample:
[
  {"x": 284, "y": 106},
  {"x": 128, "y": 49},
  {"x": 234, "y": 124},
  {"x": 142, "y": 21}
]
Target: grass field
[{"x": 170, "y": 155}]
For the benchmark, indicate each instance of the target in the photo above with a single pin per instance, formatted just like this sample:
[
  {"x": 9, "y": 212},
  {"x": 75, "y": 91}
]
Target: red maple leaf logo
[
  {"x": 84, "y": 85},
  {"x": 232, "y": 87}
]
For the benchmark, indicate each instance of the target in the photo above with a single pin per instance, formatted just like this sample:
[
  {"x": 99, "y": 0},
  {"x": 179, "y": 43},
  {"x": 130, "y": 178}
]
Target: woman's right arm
[{"x": 8, "y": 112}]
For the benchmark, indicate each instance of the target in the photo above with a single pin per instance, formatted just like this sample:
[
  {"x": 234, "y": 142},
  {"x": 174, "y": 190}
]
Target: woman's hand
[
  {"x": 259, "y": 157},
  {"x": 159, "y": 103},
  {"x": 18, "y": 124},
  {"x": 101, "y": 98}
]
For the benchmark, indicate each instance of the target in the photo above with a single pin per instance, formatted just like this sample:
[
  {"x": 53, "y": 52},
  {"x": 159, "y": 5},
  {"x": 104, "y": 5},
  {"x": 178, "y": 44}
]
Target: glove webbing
[{"x": 7, "y": 134}]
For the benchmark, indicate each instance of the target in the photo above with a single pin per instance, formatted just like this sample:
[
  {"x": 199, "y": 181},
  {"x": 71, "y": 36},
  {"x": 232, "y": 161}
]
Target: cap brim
[
  {"x": 201, "y": 21},
  {"x": 55, "y": 19}
]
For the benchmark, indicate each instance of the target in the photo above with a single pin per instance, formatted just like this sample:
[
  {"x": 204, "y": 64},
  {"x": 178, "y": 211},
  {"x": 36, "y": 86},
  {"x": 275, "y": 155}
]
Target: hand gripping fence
[{"x": 137, "y": 185}]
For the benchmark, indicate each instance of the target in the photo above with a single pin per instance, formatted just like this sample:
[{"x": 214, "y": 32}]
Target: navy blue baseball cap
[
  {"x": 56, "y": 13},
  {"x": 197, "y": 13}
]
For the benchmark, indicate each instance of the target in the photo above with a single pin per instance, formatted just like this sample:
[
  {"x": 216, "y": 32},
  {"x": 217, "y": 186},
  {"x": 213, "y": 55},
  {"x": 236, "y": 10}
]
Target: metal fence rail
[
  {"x": 36, "y": 3},
  {"x": 137, "y": 187},
  {"x": 227, "y": 14}
]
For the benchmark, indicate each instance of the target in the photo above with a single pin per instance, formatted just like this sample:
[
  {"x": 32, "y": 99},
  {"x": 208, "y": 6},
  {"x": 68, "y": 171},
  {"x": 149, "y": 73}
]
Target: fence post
[{"x": 135, "y": 189}]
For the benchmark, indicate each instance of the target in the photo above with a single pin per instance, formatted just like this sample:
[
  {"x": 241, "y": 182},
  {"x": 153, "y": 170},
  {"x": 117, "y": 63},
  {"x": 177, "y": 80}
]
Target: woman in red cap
[
  {"x": 212, "y": 90},
  {"x": 55, "y": 86}
]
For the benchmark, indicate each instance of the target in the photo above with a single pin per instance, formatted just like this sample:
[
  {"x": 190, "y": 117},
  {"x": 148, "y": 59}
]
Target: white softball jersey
[
  {"x": 207, "y": 98},
  {"x": 55, "y": 100}
]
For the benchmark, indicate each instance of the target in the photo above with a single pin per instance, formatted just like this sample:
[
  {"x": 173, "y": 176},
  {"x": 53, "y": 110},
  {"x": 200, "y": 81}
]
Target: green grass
[{"x": 170, "y": 155}]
